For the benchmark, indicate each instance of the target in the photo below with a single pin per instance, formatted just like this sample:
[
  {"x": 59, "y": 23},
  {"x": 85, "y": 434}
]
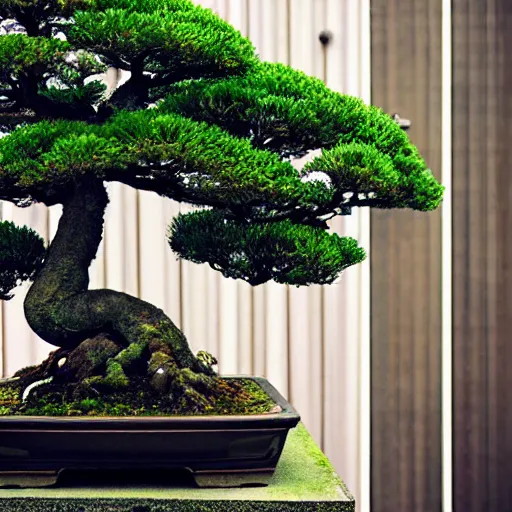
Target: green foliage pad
[
  {"x": 285, "y": 252},
  {"x": 22, "y": 252}
]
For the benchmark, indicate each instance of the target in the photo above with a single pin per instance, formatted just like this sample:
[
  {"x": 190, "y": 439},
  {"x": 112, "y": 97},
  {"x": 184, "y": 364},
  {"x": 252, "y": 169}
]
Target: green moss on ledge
[{"x": 243, "y": 397}]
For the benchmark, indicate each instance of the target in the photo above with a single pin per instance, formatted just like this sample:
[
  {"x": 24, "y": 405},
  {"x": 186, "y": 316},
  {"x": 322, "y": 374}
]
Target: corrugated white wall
[{"x": 311, "y": 343}]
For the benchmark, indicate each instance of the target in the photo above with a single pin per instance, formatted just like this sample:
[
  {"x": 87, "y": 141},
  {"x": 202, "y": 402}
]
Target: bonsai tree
[{"x": 199, "y": 120}]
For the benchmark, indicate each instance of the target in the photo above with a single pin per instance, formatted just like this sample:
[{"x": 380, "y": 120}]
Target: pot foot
[{"x": 247, "y": 478}]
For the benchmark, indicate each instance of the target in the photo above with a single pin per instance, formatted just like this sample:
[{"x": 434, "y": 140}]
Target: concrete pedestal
[{"x": 304, "y": 481}]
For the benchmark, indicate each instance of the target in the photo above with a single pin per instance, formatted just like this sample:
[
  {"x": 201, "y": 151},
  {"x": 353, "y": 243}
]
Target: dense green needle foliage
[
  {"x": 285, "y": 111},
  {"x": 19, "y": 54},
  {"x": 200, "y": 120},
  {"x": 170, "y": 40},
  {"x": 21, "y": 255},
  {"x": 282, "y": 251}
]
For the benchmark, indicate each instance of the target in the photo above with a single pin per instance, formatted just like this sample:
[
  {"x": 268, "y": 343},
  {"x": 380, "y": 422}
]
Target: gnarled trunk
[{"x": 62, "y": 311}]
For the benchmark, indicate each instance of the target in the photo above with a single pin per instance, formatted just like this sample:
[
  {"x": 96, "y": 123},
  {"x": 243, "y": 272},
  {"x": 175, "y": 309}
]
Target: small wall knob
[{"x": 325, "y": 37}]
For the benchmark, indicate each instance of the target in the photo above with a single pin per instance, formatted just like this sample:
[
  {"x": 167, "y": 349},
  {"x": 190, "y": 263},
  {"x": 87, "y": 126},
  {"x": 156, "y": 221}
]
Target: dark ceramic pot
[{"x": 218, "y": 451}]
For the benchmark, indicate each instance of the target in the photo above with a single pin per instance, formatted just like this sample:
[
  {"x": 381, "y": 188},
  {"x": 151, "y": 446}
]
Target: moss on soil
[
  {"x": 243, "y": 397},
  {"x": 9, "y": 399}
]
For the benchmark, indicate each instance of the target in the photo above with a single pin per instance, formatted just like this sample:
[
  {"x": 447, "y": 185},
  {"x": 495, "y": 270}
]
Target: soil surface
[{"x": 243, "y": 397}]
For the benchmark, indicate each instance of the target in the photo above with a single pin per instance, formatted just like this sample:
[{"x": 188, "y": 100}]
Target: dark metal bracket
[{"x": 405, "y": 124}]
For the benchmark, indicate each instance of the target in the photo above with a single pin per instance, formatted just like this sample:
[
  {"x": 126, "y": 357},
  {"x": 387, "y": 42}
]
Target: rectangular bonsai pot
[{"x": 219, "y": 451}]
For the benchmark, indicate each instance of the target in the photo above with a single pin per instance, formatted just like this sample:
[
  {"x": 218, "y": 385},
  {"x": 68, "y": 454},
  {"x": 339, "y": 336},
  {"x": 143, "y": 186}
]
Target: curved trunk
[{"x": 61, "y": 310}]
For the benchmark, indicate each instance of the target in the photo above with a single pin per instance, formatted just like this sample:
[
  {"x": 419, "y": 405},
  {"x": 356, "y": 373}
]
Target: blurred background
[{"x": 402, "y": 371}]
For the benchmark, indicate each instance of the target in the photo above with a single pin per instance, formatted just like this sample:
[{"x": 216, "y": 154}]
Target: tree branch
[
  {"x": 28, "y": 20},
  {"x": 114, "y": 59},
  {"x": 137, "y": 64},
  {"x": 172, "y": 76}
]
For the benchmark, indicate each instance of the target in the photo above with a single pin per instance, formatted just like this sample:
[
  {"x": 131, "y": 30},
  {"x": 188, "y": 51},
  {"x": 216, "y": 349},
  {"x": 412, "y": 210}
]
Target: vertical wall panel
[
  {"x": 120, "y": 239},
  {"x": 237, "y": 15},
  {"x": 195, "y": 298},
  {"x": 152, "y": 248},
  {"x": 172, "y": 271},
  {"x": 345, "y": 304},
  {"x": 268, "y": 29},
  {"x": 406, "y": 271},
  {"x": 482, "y": 252},
  {"x": 255, "y": 31},
  {"x": 307, "y": 19},
  {"x": 97, "y": 270}
]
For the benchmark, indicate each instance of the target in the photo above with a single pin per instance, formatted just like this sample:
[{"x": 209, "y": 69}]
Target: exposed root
[
  {"x": 192, "y": 390},
  {"x": 100, "y": 367},
  {"x": 47, "y": 368},
  {"x": 34, "y": 385},
  {"x": 86, "y": 383}
]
